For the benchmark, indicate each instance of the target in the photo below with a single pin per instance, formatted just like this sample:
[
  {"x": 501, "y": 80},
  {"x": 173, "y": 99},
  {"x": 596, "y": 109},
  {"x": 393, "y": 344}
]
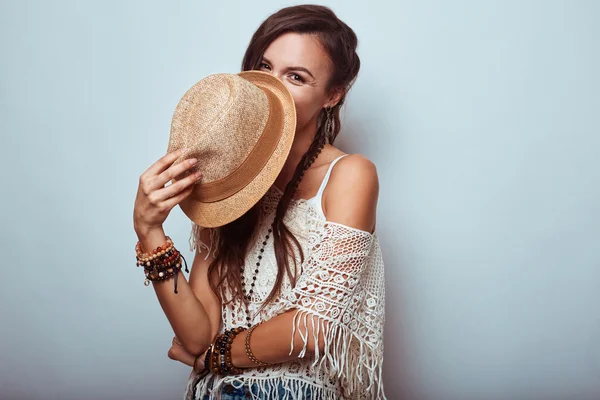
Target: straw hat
[{"x": 240, "y": 127}]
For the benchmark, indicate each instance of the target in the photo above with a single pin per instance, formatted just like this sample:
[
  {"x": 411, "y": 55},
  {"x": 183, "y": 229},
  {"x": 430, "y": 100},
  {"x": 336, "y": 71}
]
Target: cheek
[{"x": 307, "y": 104}]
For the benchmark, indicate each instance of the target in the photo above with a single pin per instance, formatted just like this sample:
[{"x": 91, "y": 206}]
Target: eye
[
  {"x": 262, "y": 65},
  {"x": 297, "y": 78}
]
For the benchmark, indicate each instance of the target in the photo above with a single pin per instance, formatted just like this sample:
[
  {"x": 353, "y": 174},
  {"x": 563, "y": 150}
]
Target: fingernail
[
  {"x": 184, "y": 150},
  {"x": 192, "y": 161}
]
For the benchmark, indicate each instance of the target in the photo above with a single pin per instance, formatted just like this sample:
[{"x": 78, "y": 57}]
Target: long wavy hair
[{"x": 234, "y": 239}]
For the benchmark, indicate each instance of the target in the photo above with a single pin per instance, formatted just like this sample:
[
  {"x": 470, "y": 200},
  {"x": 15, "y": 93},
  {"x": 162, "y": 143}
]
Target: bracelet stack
[
  {"x": 219, "y": 355},
  {"x": 161, "y": 264}
]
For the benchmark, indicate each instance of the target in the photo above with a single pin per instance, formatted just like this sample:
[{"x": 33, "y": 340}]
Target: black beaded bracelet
[{"x": 207, "y": 358}]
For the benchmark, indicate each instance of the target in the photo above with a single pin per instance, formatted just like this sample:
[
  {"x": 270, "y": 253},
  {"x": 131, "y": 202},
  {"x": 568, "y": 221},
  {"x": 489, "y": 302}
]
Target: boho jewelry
[
  {"x": 155, "y": 253},
  {"x": 248, "y": 296},
  {"x": 207, "y": 358},
  {"x": 161, "y": 275},
  {"x": 163, "y": 263},
  {"x": 329, "y": 124},
  {"x": 249, "y": 351},
  {"x": 206, "y": 370},
  {"x": 220, "y": 358}
]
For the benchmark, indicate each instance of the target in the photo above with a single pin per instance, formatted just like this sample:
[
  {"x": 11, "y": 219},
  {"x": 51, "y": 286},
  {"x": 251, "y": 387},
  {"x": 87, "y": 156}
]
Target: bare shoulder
[{"x": 351, "y": 195}]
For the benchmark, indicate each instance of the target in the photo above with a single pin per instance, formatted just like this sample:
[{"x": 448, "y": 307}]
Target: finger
[
  {"x": 174, "y": 171},
  {"x": 173, "y": 201},
  {"x": 178, "y": 187},
  {"x": 164, "y": 162}
]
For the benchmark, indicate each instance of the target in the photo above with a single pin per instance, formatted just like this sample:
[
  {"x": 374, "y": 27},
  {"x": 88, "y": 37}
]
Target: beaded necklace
[{"x": 248, "y": 294}]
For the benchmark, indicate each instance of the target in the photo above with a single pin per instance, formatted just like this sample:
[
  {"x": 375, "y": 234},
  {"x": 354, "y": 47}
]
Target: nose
[{"x": 276, "y": 74}]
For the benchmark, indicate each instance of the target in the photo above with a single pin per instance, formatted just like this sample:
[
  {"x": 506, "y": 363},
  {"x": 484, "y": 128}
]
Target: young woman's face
[{"x": 304, "y": 67}]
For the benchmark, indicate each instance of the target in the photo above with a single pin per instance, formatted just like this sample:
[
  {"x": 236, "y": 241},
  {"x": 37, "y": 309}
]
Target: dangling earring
[{"x": 329, "y": 121}]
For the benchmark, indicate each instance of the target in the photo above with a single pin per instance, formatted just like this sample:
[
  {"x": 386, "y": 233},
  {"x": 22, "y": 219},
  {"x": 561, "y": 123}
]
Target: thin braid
[
  {"x": 307, "y": 160},
  {"x": 281, "y": 234}
]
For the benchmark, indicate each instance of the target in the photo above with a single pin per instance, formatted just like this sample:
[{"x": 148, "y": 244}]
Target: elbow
[
  {"x": 195, "y": 347},
  {"x": 195, "y": 343}
]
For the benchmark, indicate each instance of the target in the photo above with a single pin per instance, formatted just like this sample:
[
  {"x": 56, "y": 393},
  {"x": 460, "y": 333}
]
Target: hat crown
[
  {"x": 241, "y": 129},
  {"x": 224, "y": 116}
]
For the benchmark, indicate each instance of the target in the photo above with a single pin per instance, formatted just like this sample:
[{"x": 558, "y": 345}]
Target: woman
[{"x": 313, "y": 296}]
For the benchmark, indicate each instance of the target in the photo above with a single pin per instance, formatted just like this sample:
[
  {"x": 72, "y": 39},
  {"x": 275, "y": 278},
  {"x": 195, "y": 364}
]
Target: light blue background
[{"x": 483, "y": 120}]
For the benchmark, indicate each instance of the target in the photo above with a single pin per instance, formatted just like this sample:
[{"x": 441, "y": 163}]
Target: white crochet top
[{"x": 341, "y": 281}]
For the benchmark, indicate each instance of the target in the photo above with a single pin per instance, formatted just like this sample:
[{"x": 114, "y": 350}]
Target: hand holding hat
[
  {"x": 241, "y": 128},
  {"x": 238, "y": 130},
  {"x": 154, "y": 201}
]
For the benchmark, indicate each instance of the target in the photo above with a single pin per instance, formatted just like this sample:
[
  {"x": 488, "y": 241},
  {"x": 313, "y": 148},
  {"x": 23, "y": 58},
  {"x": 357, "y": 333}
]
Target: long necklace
[{"x": 248, "y": 293}]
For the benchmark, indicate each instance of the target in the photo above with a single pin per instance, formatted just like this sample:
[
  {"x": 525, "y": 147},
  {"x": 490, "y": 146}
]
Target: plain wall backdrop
[{"x": 481, "y": 116}]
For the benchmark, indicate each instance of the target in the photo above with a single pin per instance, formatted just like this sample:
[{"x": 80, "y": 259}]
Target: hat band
[{"x": 255, "y": 161}]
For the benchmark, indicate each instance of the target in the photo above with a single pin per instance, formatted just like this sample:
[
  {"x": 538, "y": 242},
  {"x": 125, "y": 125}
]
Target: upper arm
[
  {"x": 350, "y": 197},
  {"x": 200, "y": 285}
]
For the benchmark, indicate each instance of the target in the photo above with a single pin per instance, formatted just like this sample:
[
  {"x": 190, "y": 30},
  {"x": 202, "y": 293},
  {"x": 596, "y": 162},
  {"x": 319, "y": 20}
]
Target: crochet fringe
[
  {"x": 275, "y": 387},
  {"x": 353, "y": 349},
  {"x": 357, "y": 365},
  {"x": 197, "y": 245}
]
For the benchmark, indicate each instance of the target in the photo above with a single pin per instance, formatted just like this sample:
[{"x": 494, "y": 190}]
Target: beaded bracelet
[
  {"x": 207, "y": 358},
  {"x": 170, "y": 258},
  {"x": 161, "y": 275},
  {"x": 156, "y": 252},
  {"x": 249, "y": 351},
  {"x": 220, "y": 358},
  {"x": 163, "y": 264},
  {"x": 205, "y": 371}
]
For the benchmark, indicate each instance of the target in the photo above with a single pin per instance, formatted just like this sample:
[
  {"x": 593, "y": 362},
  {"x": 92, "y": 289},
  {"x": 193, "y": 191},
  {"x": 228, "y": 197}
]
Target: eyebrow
[{"x": 297, "y": 68}]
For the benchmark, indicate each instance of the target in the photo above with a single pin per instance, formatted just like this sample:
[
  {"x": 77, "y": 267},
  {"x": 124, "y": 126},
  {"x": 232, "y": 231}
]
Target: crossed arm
[
  {"x": 195, "y": 313},
  {"x": 270, "y": 340}
]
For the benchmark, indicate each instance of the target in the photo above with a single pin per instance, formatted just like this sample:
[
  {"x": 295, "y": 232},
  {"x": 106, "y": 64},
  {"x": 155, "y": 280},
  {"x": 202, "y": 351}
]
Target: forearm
[
  {"x": 271, "y": 342},
  {"x": 186, "y": 314}
]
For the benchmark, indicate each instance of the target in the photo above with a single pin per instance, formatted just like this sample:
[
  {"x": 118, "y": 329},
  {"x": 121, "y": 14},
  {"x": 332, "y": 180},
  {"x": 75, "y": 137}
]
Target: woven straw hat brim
[{"x": 222, "y": 212}]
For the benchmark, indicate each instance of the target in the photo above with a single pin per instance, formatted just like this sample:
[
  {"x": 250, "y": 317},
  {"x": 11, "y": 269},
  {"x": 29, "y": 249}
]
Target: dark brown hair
[{"x": 339, "y": 42}]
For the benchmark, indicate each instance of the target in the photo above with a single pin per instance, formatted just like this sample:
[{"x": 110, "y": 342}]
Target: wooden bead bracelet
[
  {"x": 155, "y": 253},
  {"x": 220, "y": 356},
  {"x": 163, "y": 264}
]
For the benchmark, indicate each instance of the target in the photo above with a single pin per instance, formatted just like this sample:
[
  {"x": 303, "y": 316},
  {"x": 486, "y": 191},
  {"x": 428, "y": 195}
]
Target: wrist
[
  {"x": 198, "y": 366},
  {"x": 239, "y": 357},
  {"x": 146, "y": 232},
  {"x": 151, "y": 238}
]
